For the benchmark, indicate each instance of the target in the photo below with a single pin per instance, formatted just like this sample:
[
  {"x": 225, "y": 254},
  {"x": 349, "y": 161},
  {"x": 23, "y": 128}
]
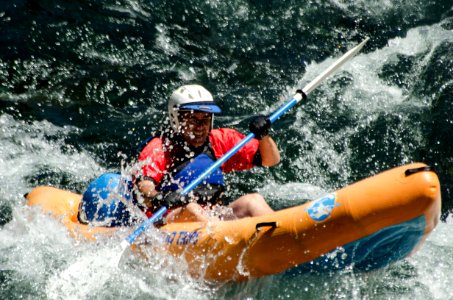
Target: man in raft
[{"x": 176, "y": 157}]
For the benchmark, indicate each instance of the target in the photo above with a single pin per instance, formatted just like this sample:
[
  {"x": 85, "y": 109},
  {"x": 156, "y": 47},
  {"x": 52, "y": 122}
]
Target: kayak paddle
[{"x": 300, "y": 94}]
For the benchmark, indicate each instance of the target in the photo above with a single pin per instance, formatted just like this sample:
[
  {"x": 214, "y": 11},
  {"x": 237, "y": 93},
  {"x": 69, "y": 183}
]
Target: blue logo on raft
[{"x": 321, "y": 209}]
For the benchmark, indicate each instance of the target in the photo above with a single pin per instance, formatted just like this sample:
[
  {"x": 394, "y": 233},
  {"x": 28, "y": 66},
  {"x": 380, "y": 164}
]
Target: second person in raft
[{"x": 173, "y": 159}]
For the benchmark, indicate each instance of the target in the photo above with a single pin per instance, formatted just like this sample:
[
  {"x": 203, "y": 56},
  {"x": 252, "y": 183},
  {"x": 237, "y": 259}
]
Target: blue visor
[{"x": 208, "y": 107}]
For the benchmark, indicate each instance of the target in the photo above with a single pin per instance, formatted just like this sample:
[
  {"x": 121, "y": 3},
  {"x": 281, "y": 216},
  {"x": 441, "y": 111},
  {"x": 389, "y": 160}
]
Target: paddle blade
[{"x": 341, "y": 61}]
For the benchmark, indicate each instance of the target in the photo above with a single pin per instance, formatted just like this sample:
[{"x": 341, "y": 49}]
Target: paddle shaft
[
  {"x": 284, "y": 108},
  {"x": 280, "y": 111},
  {"x": 137, "y": 232}
]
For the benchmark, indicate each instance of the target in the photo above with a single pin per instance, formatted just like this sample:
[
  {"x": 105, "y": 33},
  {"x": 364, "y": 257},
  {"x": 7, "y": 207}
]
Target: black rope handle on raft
[
  {"x": 272, "y": 225},
  {"x": 416, "y": 170}
]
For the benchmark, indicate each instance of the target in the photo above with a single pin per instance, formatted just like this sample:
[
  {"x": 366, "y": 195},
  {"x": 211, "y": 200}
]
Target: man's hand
[
  {"x": 148, "y": 191},
  {"x": 259, "y": 126}
]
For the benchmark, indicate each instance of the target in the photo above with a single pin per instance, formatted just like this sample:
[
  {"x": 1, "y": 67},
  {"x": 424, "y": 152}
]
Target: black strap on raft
[
  {"x": 304, "y": 96},
  {"x": 273, "y": 225},
  {"x": 416, "y": 170}
]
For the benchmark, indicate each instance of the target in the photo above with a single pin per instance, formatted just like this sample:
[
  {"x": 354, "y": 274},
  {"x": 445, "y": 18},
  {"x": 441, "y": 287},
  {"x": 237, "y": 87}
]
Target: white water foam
[
  {"x": 294, "y": 192},
  {"x": 434, "y": 262},
  {"x": 27, "y": 146},
  {"x": 81, "y": 278},
  {"x": 366, "y": 97}
]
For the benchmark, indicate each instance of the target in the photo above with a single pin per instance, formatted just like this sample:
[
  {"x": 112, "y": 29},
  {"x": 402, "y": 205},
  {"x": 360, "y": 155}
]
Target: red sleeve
[
  {"x": 153, "y": 159},
  {"x": 223, "y": 139}
]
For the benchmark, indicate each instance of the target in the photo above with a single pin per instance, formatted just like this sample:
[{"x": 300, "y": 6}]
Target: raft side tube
[
  {"x": 63, "y": 205},
  {"x": 360, "y": 210},
  {"x": 366, "y": 212}
]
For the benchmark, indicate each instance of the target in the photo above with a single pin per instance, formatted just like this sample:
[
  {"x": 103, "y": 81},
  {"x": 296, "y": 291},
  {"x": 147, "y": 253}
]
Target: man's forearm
[{"x": 270, "y": 156}]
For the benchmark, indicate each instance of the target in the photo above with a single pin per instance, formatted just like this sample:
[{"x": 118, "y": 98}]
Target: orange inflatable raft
[{"x": 367, "y": 225}]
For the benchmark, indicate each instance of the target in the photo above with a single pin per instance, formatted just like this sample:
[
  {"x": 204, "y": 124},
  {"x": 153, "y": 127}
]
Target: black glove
[
  {"x": 169, "y": 200},
  {"x": 260, "y": 126}
]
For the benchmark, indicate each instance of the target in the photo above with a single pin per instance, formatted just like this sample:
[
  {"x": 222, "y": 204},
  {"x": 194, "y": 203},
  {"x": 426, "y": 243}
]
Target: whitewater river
[{"x": 83, "y": 82}]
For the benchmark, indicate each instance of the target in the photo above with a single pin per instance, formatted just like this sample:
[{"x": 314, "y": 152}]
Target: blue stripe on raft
[{"x": 372, "y": 252}]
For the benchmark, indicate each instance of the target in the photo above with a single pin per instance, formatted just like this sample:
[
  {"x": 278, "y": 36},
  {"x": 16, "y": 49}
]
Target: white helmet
[{"x": 190, "y": 97}]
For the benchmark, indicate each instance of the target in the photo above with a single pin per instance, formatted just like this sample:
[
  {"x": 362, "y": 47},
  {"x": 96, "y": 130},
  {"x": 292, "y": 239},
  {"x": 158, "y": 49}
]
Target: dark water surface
[{"x": 83, "y": 82}]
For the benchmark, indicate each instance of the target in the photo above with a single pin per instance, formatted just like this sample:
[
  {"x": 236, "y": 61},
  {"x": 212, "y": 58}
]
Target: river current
[{"x": 84, "y": 82}]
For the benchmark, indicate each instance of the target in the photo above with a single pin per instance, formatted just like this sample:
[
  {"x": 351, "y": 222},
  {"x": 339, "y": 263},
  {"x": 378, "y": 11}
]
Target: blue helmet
[{"x": 101, "y": 204}]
